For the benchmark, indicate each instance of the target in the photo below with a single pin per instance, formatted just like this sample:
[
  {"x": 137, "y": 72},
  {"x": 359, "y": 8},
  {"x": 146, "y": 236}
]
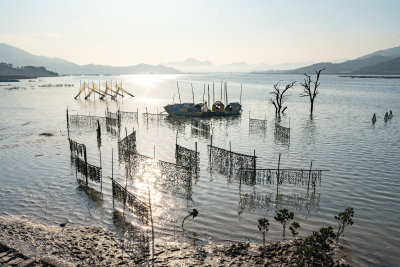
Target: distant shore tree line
[{"x": 7, "y": 70}]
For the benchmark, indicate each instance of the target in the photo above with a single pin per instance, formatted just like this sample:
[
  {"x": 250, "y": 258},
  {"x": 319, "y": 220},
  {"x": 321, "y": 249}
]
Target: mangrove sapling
[
  {"x": 315, "y": 249},
  {"x": 284, "y": 216},
  {"x": 344, "y": 219},
  {"x": 263, "y": 227},
  {"x": 293, "y": 228},
  {"x": 192, "y": 213}
]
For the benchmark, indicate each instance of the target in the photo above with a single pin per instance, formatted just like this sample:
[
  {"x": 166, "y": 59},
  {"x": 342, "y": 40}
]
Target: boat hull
[{"x": 192, "y": 110}]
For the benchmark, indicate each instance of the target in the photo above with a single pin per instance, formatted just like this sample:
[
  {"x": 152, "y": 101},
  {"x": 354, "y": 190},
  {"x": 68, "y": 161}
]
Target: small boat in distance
[{"x": 201, "y": 110}]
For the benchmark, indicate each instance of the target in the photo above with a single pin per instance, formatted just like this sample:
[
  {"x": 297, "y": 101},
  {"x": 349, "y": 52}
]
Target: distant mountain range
[
  {"x": 380, "y": 62},
  {"x": 18, "y": 57},
  {"x": 192, "y": 65}
]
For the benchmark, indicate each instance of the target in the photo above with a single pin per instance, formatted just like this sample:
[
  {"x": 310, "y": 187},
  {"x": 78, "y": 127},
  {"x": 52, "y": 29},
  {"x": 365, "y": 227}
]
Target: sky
[{"x": 122, "y": 33}]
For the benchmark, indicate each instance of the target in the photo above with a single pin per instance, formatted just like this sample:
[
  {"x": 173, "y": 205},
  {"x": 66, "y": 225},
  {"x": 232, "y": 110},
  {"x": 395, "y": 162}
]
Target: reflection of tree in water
[
  {"x": 310, "y": 130},
  {"x": 135, "y": 241}
]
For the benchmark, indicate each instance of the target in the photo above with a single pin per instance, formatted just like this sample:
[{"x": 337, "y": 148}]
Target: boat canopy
[
  {"x": 235, "y": 106},
  {"x": 218, "y": 106}
]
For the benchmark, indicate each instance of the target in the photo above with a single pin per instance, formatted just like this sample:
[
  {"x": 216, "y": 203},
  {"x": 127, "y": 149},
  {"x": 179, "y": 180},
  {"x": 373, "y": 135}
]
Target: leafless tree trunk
[
  {"x": 308, "y": 90},
  {"x": 278, "y": 97}
]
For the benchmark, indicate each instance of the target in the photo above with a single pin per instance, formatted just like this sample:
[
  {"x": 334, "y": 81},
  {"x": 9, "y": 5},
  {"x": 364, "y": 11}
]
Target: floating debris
[{"x": 46, "y": 134}]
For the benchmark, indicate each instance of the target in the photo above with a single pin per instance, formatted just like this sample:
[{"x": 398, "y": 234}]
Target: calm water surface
[{"x": 38, "y": 181}]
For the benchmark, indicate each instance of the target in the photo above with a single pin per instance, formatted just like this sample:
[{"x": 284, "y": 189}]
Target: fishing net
[
  {"x": 228, "y": 162},
  {"x": 256, "y": 125},
  {"x": 94, "y": 173},
  {"x": 291, "y": 177},
  {"x": 282, "y": 134},
  {"x": 268, "y": 201},
  {"x": 134, "y": 204},
  {"x": 172, "y": 178},
  {"x": 188, "y": 158},
  {"x": 127, "y": 146}
]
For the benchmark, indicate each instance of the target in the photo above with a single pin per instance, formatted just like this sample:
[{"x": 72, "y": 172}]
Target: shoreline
[{"x": 95, "y": 246}]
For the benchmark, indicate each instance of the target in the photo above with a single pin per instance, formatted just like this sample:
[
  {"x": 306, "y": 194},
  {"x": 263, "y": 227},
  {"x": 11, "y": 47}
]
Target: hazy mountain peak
[{"x": 18, "y": 57}]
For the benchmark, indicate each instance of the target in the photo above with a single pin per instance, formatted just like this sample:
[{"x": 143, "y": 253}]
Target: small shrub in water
[
  {"x": 344, "y": 219},
  {"x": 284, "y": 216},
  {"x": 192, "y": 213},
  {"x": 263, "y": 227}
]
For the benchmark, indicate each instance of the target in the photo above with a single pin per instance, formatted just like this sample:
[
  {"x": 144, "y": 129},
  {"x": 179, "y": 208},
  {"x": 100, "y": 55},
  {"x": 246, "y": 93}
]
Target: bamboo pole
[
  {"x": 213, "y": 94},
  {"x": 179, "y": 94},
  {"x": 152, "y": 224},
  {"x": 208, "y": 92},
  {"x": 309, "y": 177},
  {"x": 192, "y": 92},
  {"x": 241, "y": 88},
  {"x": 277, "y": 177}
]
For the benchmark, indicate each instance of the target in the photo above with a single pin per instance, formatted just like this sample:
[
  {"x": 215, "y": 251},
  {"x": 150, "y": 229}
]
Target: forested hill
[{"x": 7, "y": 70}]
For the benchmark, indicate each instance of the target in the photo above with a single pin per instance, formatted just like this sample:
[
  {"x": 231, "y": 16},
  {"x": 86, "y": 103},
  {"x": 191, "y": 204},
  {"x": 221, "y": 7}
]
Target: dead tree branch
[
  {"x": 279, "y": 97},
  {"x": 311, "y": 88}
]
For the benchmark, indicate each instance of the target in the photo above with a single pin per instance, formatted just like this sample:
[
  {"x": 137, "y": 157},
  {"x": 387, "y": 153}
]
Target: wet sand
[{"x": 39, "y": 244}]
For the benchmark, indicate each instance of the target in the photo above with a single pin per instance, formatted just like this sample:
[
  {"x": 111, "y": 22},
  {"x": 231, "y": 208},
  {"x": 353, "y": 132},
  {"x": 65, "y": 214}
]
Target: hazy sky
[{"x": 129, "y": 32}]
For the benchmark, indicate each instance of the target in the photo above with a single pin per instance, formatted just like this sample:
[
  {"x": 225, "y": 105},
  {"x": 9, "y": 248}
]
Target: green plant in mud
[
  {"x": 315, "y": 250},
  {"x": 284, "y": 216},
  {"x": 293, "y": 227},
  {"x": 344, "y": 219},
  {"x": 192, "y": 213},
  {"x": 263, "y": 227}
]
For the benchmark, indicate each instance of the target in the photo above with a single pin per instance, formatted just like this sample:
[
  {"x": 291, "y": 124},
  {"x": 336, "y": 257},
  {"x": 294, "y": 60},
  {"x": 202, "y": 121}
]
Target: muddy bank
[{"x": 94, "y": 246}]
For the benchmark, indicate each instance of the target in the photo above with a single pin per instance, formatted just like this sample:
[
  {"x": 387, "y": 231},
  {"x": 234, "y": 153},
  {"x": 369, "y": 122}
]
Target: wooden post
[
  {"x": 86, "y": 174},
  {"x": 152, "y": 224},
  {"x": 204, "y": 91},
  {"x": 213, "y": 95},
  {"x": 112, "y": 163},
  {"x": 208, "y": 92},
  {"x": 98, "y": 130},
  {"x": 210, "y": 146},
  {"x": 68, "y": 123},
  {"x": 309, "y": 177},
  {"x": 230, "y": 158},
  {"x": 192, "y": 92},
  {"x": 220, "y": 99},
  {"x": 240, "y": 94},
  {"x": 277, "y": 177},
  {"x": 195, "y": 149},
  {"x": 101, "y": 178},
  {"x": 226, "y": 92},
  {"x": 254, "y": 166},
  {"x": 179, "y": 94}
]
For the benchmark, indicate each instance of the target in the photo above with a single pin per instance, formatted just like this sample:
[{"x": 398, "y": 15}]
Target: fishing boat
[
  {"x": 218, "y": 109},
  {"x": 201, "y": 110}
]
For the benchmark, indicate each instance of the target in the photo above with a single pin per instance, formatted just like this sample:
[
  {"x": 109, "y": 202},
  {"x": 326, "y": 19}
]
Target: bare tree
[
  {"x": 308, "y": 90},
  {"x": 278, "y": 97}
]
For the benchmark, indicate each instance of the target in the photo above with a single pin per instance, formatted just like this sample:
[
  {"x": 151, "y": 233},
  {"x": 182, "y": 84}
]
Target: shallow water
[{"x": 38, "y": 180}]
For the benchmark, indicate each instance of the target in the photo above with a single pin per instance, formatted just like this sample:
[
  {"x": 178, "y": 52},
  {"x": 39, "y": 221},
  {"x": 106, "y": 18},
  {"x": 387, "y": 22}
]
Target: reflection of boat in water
[{"x": 201, "y": 110}]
